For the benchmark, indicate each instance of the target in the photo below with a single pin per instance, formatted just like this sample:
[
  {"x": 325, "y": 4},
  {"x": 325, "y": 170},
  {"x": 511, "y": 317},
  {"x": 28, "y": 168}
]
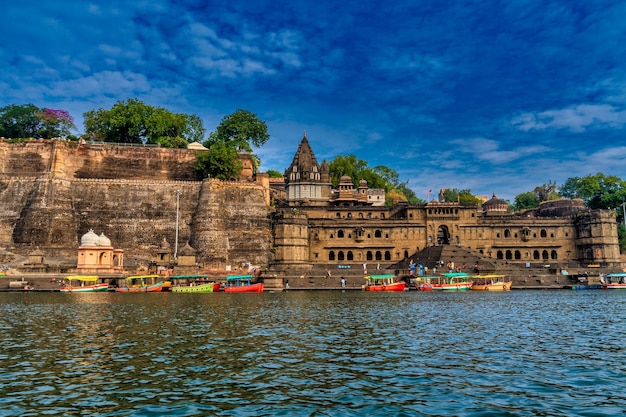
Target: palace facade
[{"x": 316, "y": 224}]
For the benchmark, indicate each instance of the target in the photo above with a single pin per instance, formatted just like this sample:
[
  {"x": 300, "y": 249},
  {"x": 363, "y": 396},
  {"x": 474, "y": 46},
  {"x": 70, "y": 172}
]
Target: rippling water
[{"x": 523, "y": 353}]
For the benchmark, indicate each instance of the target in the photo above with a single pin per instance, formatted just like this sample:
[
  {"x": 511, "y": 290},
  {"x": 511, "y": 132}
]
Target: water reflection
[{"x": 312, "y": 353}]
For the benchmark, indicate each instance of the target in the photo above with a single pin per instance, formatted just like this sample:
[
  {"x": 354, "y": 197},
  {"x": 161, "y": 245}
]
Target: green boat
[{"x": 193, "y": 283}]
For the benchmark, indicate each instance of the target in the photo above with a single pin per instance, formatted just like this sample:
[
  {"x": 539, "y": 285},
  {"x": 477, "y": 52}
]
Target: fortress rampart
[{"x": 53, "y": 192}]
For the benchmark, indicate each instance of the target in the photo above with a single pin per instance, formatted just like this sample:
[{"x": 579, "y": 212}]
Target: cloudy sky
[{"x": 491, "y": 96}]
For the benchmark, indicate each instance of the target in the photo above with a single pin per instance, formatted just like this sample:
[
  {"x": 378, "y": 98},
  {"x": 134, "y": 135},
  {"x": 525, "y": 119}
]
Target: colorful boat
[
  {"x": 144, "y": 283},
  {"x": 242, "y": 283},
  {"x": 614, "y": 281},
  {"x": 453, "y": 281},
  {"x": 491, "y": 282},
  {"x": 385, "y": 282},
  {"x": 83, "y": 283},
  {"x": 193, "y": 283}
]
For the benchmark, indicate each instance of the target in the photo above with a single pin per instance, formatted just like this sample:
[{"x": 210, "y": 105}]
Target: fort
[{"x": 53, "y": 192}]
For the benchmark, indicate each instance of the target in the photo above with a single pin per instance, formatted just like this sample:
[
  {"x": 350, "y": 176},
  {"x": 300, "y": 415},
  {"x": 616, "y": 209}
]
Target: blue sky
[{"x": 491, "y": 96}]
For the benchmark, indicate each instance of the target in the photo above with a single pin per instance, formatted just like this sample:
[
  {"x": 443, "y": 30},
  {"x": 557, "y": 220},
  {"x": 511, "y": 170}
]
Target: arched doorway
[{"x": 443, "y": 236}]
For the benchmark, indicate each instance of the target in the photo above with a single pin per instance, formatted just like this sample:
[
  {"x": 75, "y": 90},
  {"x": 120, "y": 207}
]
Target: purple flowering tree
[{"x": 55, "y": 123}]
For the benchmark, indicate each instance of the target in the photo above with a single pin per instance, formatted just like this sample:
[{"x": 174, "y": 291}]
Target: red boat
[
  {"x": 242, "y": 283},
  {"x": 386, "y": 282}
]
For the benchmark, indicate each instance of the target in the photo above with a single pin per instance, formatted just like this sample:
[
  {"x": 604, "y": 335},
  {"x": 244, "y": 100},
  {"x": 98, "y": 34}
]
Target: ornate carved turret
[{"x": 305, "y": 180}]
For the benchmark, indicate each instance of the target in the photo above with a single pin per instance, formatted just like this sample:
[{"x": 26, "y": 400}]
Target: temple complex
[{"x": 317, "y": 226}]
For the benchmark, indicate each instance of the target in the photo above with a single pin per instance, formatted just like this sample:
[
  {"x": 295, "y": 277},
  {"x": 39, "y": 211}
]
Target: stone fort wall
[{"x": 53, "y": 192}]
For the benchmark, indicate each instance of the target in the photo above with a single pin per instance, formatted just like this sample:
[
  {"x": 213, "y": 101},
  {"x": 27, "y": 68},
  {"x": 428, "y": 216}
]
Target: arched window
[
  {"x": 553, "y": 255},
  {"x": 331, "y": 255},
  {"x": 369, "y": 256},
  {"x": 544, "y": 233},
  {"x": 406, "y": 253},
  {"x": 338, "y": 215},
  {"x": 340, "y": 234},
  {"x": 379, "y": 256},
  {"x": 350, "y": 256},
  {"x": 507, "y": 233},
  {"x": 331, "y": 236},
  {"x": 349, "y": 215},
  {"x": 378, "y": 234},
  {"x": 387, "y": 255},
  {"x": 544, "y": 255},
  {"x": 536, "y": 255},
  {"x": 509, "y": 255},
  {"x": 340, "y": 256},
  {"x": 518, "y": 255},
  {"x": 499, "y": 255}
]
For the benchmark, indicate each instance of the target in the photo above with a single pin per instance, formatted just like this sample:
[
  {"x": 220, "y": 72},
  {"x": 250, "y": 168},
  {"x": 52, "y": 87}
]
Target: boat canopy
[
  {"x": 189, "y": 277},
  {"x": 489, "y": 276},
  {"x": 616, "y": 274},
  {"x": 238, "y": 277},
  {"x": 384, "y": 276},
  {"x": 84, "y": 278},
  {"x": 143, "y": 276},
  {"x": 456, "y": 274}
]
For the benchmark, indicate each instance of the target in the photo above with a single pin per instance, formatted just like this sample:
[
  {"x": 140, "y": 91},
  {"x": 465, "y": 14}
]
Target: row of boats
[
  {"x": 158, "y": 283},
  {"x": 460, "y": 281},
  {"x": 454, "y": 281}
]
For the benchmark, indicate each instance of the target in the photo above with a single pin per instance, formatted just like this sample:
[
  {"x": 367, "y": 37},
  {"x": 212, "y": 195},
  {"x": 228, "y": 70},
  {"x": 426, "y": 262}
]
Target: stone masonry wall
[{"x": 133, "y": 202}]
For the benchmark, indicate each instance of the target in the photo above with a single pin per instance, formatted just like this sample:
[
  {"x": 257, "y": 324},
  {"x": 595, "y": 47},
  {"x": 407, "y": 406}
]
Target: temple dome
[
  {"x": 103, "y": 240},
  {"x": 89, "y": 239},
  {"x": 495, "y": 204}
]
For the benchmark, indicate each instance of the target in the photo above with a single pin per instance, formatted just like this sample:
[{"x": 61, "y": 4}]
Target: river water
[{"x": 522, "y": 353}]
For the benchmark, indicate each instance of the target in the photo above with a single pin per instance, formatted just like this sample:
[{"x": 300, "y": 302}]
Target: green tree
[
  {"x": 194, "y": 130},
  {"x": 239, "y": 131},
  {"x": 546, "y": 192},
  {"x": 133, "y": 121},
  {"x": 274, "y": 174},
  {"x": 19, "y": 121},
  {"x": 464, "y": 197},
  {"x": 378, "y": 177},
  {"x": 527, "y": 200},
  {"x": 598, "y": 191},
  {"x": 221, "y": 162}
]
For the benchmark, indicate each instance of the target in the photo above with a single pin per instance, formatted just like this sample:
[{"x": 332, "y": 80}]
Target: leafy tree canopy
[
  {"x": 221, "y": 162},
  {"x": 377, "y": 177},
  {"x": 464, "y": 197},
  {"x": 29, "y": 121},
  {"x": 532, "y": 199},
  {"x": 527, "y": 200},
  {"x": 133, "y": 121},
  {"x": 599, "y": 191},
  {"x": 239, "y": 131},
  {"x": 274, "y": 174}
]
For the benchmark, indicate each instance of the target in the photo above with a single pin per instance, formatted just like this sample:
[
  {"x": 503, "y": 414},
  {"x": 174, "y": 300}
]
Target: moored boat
[
  {"x": 242, "y": 283},
  {"x": 385, "y": 282},
  {"x": 614, "y": 281},
  {"x": 144, "y": 283},
  {"x": 491, "y": 282},
  {"x": 193, "y": 283},
  {"x": 83, "y": 283},
  {"x": 453, "y": 281}
]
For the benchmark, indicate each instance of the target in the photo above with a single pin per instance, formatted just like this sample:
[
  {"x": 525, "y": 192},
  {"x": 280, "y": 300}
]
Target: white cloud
[
  {"x": 576, "y": 118},
  {"x": 488, "y": 150}
]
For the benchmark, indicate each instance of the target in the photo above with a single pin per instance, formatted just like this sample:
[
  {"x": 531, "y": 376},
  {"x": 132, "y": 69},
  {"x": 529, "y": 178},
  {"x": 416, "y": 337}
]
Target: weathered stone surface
[{"x": 129, "y": 194}]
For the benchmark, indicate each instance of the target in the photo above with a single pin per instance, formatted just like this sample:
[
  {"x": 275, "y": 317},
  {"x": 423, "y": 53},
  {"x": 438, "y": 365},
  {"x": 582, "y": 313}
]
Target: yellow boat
[{"x": 491, "y": 282}]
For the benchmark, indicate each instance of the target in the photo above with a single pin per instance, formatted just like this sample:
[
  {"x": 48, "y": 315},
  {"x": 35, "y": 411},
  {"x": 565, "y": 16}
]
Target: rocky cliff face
[{"x": 53, "y": 193}]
